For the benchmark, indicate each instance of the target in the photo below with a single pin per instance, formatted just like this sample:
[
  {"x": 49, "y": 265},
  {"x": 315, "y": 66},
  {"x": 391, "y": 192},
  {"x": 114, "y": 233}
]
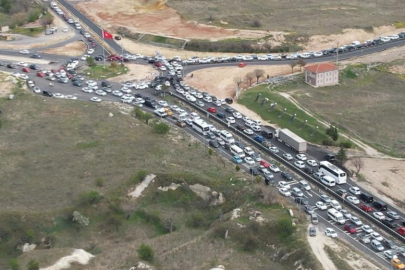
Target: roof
[
  {"x": 292, "y": 135},
  {"x": 322, "y": 67}
]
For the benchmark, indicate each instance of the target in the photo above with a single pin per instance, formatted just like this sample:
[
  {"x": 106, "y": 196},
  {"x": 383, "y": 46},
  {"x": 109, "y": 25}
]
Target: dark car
[
  {"x": 105, "y": 84},
  {"x": 286, "y": 175},
  {"x": 36, "y": 56},
  {"x": 98, "y": 58},
  {"x": 229, "y": 100},
  {"x": 380, "y": 205},
  {"x": 77, "y": 83},
  {"x": 151, "y": 104},
  {"x": 214, "y": 143},
  {"x": 254, "y": 171},
  {"x": 106, "y": 89},
  {"x": 239, "y": 144},
  {"x": 390, "y": 244},
  {"x": 308, "y": 170},
  {"x": 241, "y": 128},
  {"x": 72, "y": 71},
  {"x": 117, "y": 38},
  {"x": 229, "y": 110},
  {"x": 389, "y": 222},
  {"x": 221, "y": 115},
  {"x": 301, "y": 200},
  {"x": 47, "y": 93},
  {"x": 312, "y": 231},
  {"x": 211, "y": 135},
  {"x": 214, "y": 98},
  {"x": 34, "y": 67},
  {"x": 341, "y": 191},
  {"x": 12, "y": 66}
]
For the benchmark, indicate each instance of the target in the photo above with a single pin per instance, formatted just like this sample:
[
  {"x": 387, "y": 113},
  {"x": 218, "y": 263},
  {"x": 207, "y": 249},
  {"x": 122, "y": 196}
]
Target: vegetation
[
  {"x": 337, "y": 260},
  {"x": 161, "y": 128},
  {"x": 16, "y": 13},
  {"x": 101, "y": 71},
  {"x": 145, "y": 253},
  {"x": 32, "y": 265},
  {"x": 32, "y": 32}
]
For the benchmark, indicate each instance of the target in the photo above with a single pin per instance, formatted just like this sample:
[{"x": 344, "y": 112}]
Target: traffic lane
[
  {"x": 342, "y": 56},
  {"x": 96, "y": 29}
]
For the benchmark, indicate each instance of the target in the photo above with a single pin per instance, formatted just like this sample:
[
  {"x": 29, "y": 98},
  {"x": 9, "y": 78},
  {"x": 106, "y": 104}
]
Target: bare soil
[
  {"x": 317, "y": 245},
  {"x": 137, "y": 73},
  {"x": 75, "y": 48},
  {"x": 219, "y": 81},
  {"x": 156, "y": 17}
]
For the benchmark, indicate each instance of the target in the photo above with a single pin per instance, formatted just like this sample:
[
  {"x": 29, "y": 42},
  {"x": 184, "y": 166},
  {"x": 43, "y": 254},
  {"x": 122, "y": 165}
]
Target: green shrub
[
  {"x": 32, "y": 265},
  {"x": 285, "y": 228},
  {"x": 91, "y": 197},
  {"x": 328, "y": 142},
  {"x": 14, "y": 264},
  {"x": 146, "y": 253},
  {"x": 99, "y": 182},
  {"x": 347, "y": 144},
  {"x": 161, "y": 128},
  {"x": 237, "y": 168},
  {"x": 196, "y": 220}
]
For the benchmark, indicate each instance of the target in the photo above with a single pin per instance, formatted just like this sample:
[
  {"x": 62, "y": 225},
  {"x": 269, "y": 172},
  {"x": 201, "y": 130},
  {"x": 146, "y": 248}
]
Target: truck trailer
[{"x": 292, "y": 140}]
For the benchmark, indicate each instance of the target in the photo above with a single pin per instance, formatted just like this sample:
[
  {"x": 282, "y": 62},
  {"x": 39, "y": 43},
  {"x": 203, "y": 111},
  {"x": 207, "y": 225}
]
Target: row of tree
[{"x": 249, "y": 77}]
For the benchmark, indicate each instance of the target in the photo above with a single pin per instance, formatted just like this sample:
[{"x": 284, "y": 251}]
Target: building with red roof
[{"x": 322, "y": 74}]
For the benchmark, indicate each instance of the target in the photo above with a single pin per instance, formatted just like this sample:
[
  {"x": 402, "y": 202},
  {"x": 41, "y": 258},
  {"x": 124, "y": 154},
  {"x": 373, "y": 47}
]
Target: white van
[
  {"x": 335, "y": 204},
  {"x": 335, "y": 215},
  {"x": 304, "y": 185},
  {"x": 235, "y": 150},
  {"x": 183, "y": 116},
  {"x": 328, "y": 181}
]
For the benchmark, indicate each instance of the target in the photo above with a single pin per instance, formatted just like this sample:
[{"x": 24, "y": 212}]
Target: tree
[
  {"x": 6, "y": 5},
  {"x": 146, "y": 117},
  {"x": 115, "y": 222},
  {"x": 210, "y": 151},
  {"x": 146, "y": 253},
  {"x": 292, "y": 65},
  {"x": 329, "y": 130},
  {"x": 32, "y": 265},
  {"x": 301, "y": 63},
  {"x": 249, "y": 77},
  {"x": 258, "y": 74},
  {"x": 137, "y": 112},
  {"x": 335, "y": 134},
  {"x": 237, "y": 168},
  {"x": 113, "y": 65},
  {"x": 161, "y": 128},
  {"x": 341, "y": 155},
  {"x": 14, "y": 264},
  {"x": 91, "y": 197},
  {"x": 358, "y": 163},
  {"x": 90, "y": 61},
  {"x": 238, "y": 81},
  {"x": 80, "y": 219},
  {"x": 46, "y": 20}
]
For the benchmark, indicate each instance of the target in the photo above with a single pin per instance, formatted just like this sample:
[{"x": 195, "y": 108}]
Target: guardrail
[
  {"x": 296, "y": 170},
  {"x": 107, "y": 48}
]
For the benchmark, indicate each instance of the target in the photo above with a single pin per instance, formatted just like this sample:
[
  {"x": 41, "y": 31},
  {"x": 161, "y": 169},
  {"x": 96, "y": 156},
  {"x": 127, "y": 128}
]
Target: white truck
[{"x": 291, "y": 140}]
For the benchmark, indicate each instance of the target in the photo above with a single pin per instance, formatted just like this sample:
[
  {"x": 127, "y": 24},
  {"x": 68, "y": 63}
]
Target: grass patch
[
  {"x": 87, "y": 145},
  {"x": 108, "y": 72},
  {"x": 171, "y": 42},
  {"x": 340, "y": 263},
  {"x": 32, "y": 32},
  {"x": 385, "y": 184},
  {"x": 280, "y": 118}
]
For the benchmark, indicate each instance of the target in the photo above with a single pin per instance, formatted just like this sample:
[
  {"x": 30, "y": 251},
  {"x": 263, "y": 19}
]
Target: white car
[
  {"x": 65, "y": 29},
  {"x": 335, "y": 204},
  {"x": 284, "y": 184},
  {"x": 284, "y": 192},
  {"x": 331, "y": 233},
  {"x": 345, "y": 213},
  {"x": 126, "y": 90},
  {"x": 274, "y": 168},
  {"x": 87, "y": 90},
  {"x": 273, "y": 149},
  {"x": 16, "y": 74},
  {"x": 248, "y": 151},
  {"x": 379, "y": 215},
  {"x": 245, "y": 118},
  {"x": 376, "y": 236},
  {"x": 22, "y": 64},
  {"x": 256, "y": 128},
  {"x": 287, "y": 156},
  {"x": 25, "y": 52},
  {"x": 191, "y": 98},
  {"x": 58, "y": 95},
  {"x": 24, "y": 77},
  {"x": 194, "y": 115},
  {"x": 321, "y": 205},
  {"x": 95, "y": 99},
  {"x": 300, "y": 164},
  {"x": 217, "y": 103},
  {"x": 117, "y": 93},
  {"x": 101, "y": 93},
  {"x": 248, "y": 131},
  {"x": 356, "y": 221},
  {"x": 366, "y": 229},
  {"x": 140, "y": 100},
  {"x": 175, "y": 108},
  {"x": 249, "y": 161},
  {"x": 90, "y": 51},
  {"x": 163, "y": 103},
  {"x": 301, "y": 157},
  {"x": 353, "y": 199},
  {"x": 167, "y": 83},
  {"x": 230, "y": 120},
  {"x": 355, "y": 190},
  {"x": 312, "y": 163},
  {"x": 71, "y": 97},
  {"x": 36, "y": 90},
  {"x": 141, "y": 86},
  {"x": 237, "y": 115},
  {"x": 163, "y": 68},
  {"x": 179, "y": 90}
]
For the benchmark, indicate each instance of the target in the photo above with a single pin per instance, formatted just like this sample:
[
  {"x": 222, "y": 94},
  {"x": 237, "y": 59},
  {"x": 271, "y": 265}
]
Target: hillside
[{"x": 61, "y": 156}]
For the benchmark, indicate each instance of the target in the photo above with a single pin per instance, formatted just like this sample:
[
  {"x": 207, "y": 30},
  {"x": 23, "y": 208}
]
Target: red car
[
  {"x": 212, "y": 110},
  {"x": 27, "y": 70},
  {"x": 350, "y": 228},
  {"x": 264, "y": 163},
  {"x": 40, "y": 74},
  {"x": 366, "y": 208},
  {"x": 158, "y": 64},
  {"x": 241, "y": 65},
  {"x": 401, "y": 231}
]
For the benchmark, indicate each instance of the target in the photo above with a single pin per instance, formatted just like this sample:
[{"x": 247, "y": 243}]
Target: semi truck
[{"x": 292, "y": 140}]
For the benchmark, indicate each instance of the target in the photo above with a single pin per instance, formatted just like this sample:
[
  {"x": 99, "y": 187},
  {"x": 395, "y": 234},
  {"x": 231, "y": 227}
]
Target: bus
[
  {"x": 336, "y": 216},
  {"x": 236, "y": 151},
  {"x": 200, "y": 126},
  {"x": 331, "y": 170},
  {"x": 226, "y": 136}
]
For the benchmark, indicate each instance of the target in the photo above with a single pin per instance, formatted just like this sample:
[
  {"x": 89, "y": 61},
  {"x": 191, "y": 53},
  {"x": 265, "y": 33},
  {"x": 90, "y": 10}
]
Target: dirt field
[
  {"x": 155, "y": 17},
  {"x": 75, "y": 48},
  {"x": 219, "y": 81},
  {"x": 137, "y": 73}
]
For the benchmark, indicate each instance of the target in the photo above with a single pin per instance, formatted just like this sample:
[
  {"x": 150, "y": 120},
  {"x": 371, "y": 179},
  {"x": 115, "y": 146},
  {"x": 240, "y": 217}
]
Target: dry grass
[{"x": 306, "y": 17}]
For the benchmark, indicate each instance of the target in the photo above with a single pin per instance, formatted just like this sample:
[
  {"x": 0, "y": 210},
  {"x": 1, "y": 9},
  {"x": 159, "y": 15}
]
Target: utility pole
[{"x": 337, "y": 52}]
